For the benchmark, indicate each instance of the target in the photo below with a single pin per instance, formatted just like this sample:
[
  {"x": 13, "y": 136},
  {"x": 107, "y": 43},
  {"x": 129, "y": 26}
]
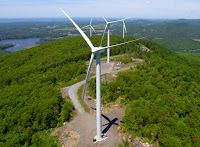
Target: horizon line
[{"x": 94, "y": 17}]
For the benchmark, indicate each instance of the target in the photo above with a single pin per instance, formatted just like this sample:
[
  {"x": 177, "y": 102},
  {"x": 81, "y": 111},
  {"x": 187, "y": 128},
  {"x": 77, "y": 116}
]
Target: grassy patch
[
  {"x": 58, "y": 134},
  {"x": 67, "y": 136},
  {"x": 195, "y": 39},
  {"x": 35, "y": 28},
  {"x": 124, "y": 58}
]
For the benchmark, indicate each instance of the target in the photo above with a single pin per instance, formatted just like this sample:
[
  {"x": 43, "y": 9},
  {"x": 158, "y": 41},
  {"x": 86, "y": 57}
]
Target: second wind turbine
[
  {"x": 91, "y": 27},
  {"x": 108, "y": 35}
]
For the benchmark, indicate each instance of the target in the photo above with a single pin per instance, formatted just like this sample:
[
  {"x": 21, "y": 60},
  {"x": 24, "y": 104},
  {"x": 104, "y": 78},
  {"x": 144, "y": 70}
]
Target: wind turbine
[
  {"x": 124, "y": 26},
  {"x": 97, "y": 51},
  {"x": 91, "y": 27},
  {"x": 108, "y": 36}
]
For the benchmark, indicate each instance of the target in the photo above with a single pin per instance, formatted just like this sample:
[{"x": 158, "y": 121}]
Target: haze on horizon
[{"x": 169, "y": 9}]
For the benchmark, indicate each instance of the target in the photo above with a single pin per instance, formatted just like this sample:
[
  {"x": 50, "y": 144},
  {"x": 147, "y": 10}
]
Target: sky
[{"x": 170, "y": 9}]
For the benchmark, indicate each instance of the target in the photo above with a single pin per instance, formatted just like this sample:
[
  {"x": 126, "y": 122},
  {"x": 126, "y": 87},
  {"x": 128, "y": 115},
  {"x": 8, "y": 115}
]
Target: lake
[{"x": 20, "y": 44}]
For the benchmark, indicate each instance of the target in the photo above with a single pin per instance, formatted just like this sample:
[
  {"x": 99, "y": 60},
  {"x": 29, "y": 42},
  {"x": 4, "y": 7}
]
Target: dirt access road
[{"x": 81, "y": 130}]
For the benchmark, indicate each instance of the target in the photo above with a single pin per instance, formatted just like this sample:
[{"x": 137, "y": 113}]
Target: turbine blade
[
  {"x": 103, "y": 35},
  {"x": 81, "y": 32},
  {"x": 115, "y": 21},
  {"x": 88, "y": 73},
  {"x": 127, "y": 18},
  {"x": 119, "y": 20},
  {"x": 92, "y": 28},
  {"x": 121, "y": 43},
  {"x": 86, "y": 26},
  {"x": 91, "y": 21},
  {"x": 105, "y": 19}
]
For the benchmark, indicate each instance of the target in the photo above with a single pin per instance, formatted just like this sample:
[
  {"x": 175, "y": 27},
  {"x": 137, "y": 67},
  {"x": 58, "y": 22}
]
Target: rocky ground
[{"x": 81, "y": 130}]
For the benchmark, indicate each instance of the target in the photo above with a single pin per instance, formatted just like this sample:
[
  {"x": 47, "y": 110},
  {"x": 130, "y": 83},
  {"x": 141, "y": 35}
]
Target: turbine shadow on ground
[{"x": 110, "y": 122}]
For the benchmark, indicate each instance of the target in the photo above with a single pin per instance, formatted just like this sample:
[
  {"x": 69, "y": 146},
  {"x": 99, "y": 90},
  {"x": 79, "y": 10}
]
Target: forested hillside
[
  {"x": 3, "y": 52},
  {"x": 31, "y": 102},
  {"x": 176, "y": 35},
  {"x": 3, "y": 47},
  {"x": 162, "y": 97}
]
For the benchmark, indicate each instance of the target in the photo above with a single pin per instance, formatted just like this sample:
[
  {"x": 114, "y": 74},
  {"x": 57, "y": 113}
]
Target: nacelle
[{"x": 98, "y": 49}]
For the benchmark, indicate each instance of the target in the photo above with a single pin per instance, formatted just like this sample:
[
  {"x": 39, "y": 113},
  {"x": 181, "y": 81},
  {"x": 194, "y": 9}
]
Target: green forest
[
  {"x": 3, "y": 52},
  {"x": 30, "y": 81},
  {"x": 162, "y": 95},
  {"x": 31, "y": 102}
]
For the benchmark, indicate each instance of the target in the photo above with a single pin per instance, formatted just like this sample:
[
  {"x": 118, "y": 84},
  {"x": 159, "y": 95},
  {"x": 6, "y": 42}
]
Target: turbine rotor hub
[{"x": 98, "y": 49}]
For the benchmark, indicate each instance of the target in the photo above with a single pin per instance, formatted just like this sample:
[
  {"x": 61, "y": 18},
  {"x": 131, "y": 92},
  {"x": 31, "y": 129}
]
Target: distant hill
[
  {"x": 177, "y": 35},
  {"x": 192, "y": 21}
]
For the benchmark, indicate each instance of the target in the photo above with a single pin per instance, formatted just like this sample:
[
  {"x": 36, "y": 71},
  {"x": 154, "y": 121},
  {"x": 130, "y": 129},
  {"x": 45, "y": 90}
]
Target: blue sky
[{"x": 109, "y": 8}]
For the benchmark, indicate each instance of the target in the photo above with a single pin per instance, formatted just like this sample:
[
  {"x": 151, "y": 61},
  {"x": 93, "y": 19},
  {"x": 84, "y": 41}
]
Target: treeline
[
  {"x": 31, "y": 102},
  {"x": 162, "y": 97},
  {"x": 5, "y": 46}
]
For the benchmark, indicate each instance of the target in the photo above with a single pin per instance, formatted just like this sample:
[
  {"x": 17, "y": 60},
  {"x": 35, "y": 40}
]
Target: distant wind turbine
[
  {"x": 91, "y": 27},
  {"x": 108, "y": 36},
  {"x": 124, "y": 26},
  {"x": 95, "y": 50}
]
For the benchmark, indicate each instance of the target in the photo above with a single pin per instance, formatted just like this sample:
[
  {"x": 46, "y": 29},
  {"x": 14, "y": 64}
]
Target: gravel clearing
[{"x": 81, "y": 130}]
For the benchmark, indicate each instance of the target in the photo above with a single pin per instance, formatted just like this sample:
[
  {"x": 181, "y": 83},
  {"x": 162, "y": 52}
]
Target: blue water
[{"x": 20, "y": 44}]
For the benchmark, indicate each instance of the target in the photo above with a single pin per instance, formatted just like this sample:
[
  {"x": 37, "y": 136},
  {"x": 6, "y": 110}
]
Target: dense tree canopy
[
  {"x": 31, "y": 101},
  {"x": 162, "y": 94},
  {"x": 162, "y": 97}
]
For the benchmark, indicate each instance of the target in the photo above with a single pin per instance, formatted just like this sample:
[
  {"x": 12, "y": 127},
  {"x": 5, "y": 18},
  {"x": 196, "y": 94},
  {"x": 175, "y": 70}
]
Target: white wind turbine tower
[
  {"x": 97, "y": 51},
  {"x": 124, "y": 26},
  {"x": 91, "y": 27},
  {"x": 108, "y": 36}
]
